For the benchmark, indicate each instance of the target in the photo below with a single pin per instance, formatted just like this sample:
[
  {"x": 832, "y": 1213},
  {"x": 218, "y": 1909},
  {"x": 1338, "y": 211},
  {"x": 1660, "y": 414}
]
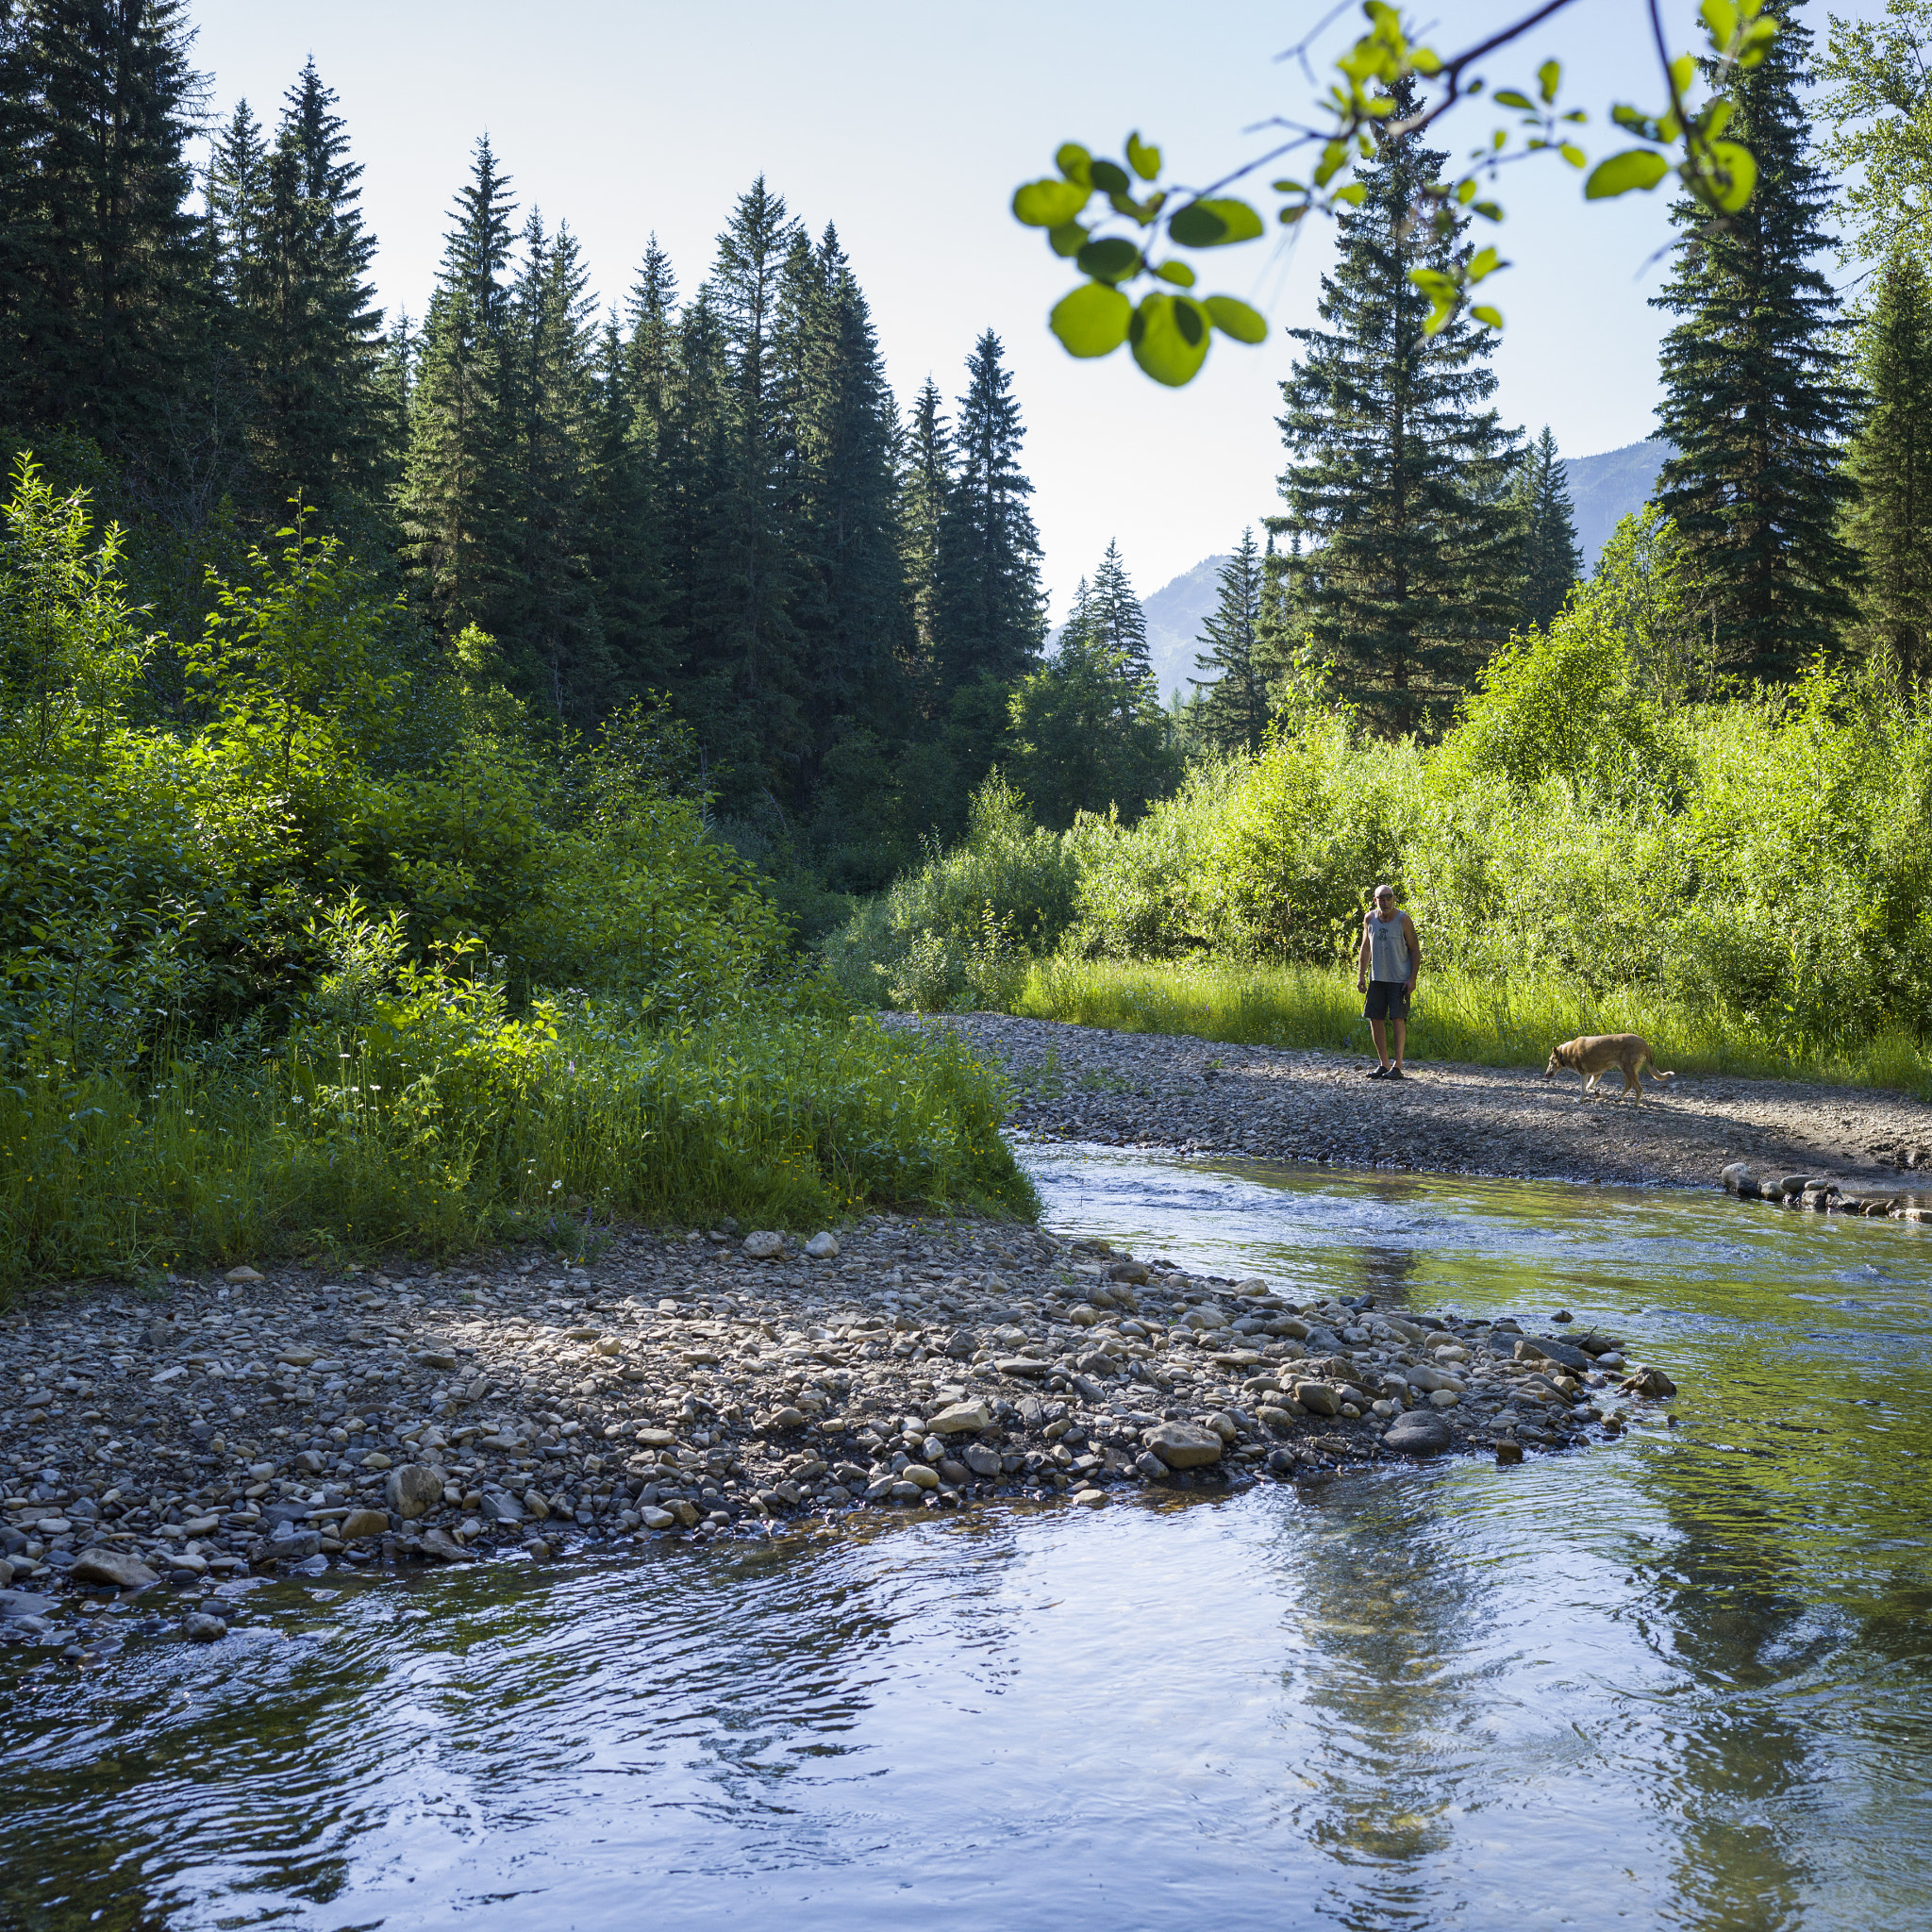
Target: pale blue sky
[{"x": 909, "y": 126}]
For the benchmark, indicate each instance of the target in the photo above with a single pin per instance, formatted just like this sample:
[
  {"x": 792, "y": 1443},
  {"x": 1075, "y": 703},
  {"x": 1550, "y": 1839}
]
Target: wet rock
[
  {"x": 1418, "y": 1434},
  {"x": 1181, "y": 1445},
  {"x": 659, "y": 1518},
  {"x": 202, "y": 1629},
  {"x": 119, "y": 1568},
  {"x": 1091, "y": 1499},
  {"x": 16, "y": 1604},
  {"x": 1563, "y": 1353},
  {"x": 1648, "y": 1381},
  {"x": 764, "y": 1245},
  {"x": 413, "y": 1490},
  {"x": 359, "y": 1524},
  {"x": 1508, "y": 1453}
]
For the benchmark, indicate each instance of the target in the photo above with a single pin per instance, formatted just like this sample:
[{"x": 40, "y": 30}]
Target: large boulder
[
  {"x": 413, "y": 1490},
  {"x": 121, "y": 1568},
  {"x": 1181, "y": 1445},
  {"x": 1318, "y": 1398},
  {"x": 961, "y": 1418},
  {"x": 1418, "y": 1434}
]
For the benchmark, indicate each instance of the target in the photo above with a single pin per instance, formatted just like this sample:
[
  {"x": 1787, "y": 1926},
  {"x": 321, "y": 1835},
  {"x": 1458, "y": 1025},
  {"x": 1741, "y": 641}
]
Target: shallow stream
[{"x": 1684, "y": 1680}]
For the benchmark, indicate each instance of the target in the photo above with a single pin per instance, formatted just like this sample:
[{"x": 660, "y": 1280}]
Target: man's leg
[
  {"x": 1378, "y": 1031},
  {"x": 1401, "y": 1030}
]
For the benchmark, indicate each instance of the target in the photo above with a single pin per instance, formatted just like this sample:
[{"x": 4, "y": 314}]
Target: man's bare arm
[{"x": 1415, "y": 949}]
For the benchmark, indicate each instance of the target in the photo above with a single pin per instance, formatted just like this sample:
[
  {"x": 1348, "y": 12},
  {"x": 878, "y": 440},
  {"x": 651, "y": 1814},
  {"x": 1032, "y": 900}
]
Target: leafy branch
[{"x": 1366, "y": 106}]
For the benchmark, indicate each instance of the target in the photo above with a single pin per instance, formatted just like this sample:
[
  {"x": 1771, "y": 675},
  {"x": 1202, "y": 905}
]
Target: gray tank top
[{"x": 1388, "y": 949}]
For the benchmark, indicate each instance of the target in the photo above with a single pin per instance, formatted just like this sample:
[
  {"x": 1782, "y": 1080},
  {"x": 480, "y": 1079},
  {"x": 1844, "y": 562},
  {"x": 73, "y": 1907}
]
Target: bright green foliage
[
  {"x": 1755, "y": 397},
  {"x": 1878, "y": 74},
  {"x": 1551, "y": 561},
  {"x": 1890, "y": 524},
  {"x": 1397, "y": 466}
]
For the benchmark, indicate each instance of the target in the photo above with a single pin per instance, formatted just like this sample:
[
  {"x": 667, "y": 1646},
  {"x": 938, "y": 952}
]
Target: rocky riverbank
[
  {"x": 707, "y": 1385},
  {"x": 1174, "y": 1092}
]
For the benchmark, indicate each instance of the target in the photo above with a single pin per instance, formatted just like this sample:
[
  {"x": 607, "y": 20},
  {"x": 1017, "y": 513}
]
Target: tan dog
[{"x": 1596, "y": 1054}]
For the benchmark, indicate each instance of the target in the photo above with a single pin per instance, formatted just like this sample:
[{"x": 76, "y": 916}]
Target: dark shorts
[{"x": 1387, "y": 1000}]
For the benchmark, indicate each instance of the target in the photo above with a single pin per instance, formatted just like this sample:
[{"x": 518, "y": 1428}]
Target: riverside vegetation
[
  {"x": 314, "y": 942},
  {"x": 1747, "y": 881}
]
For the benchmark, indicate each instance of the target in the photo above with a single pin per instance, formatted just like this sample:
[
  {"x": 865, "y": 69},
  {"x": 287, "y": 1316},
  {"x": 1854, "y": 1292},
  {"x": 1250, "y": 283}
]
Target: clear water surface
[{"x": 1681, "y": 1680}]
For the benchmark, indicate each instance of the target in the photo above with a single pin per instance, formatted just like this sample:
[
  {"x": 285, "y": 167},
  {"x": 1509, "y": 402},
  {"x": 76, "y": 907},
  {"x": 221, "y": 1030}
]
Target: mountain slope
[{"x": 1606, "y": 488}]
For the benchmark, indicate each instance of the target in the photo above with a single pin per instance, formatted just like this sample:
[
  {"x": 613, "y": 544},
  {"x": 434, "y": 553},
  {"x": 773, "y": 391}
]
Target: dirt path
[{"x": 1088, "y": 1083}]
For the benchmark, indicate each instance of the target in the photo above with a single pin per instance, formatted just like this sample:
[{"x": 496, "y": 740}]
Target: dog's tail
[{"x": 1659, "y": 1076}]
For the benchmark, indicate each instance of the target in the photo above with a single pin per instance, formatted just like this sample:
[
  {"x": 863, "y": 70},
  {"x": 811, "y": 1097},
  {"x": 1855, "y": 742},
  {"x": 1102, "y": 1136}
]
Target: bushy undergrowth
[
  {"x": 1757, "y": 873},
  {"x": 311, "y": 938}
]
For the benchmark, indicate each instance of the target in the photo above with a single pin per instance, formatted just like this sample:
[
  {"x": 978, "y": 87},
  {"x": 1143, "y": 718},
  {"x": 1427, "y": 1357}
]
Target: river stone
[
  {"x": 1021, "y": 1365},
  {"x": 360, "y": 1523},
  {"x": 1225, "y": 1426},
  {"x": 24, "y": 1603},
  {"x": 241, "y": 1275},
  {"x": 1181, "y": 1445},
  {"x": 1429, "y": 1380},
  {"x": 1091, "y": 1499},
  {"x": 1205, "y": 1317},
  {"x": 980, "y": 1458},
  {"x": 961, "y": 1417},
  {"x": 1318, "y": 1398},
  {"x": 655, "y": 1438},
  {"x": 1275, "y": 1418},
  {"x": 1418, "y": 1434},
  {"x": 764, "y": 1245},
  {"x": 780, "y": 1419},
  {"x": 413, "y": 1490},
  {"x": 1443, "y": 1398},
  {"x": 1528, "y": 1351},
  {"x": 823, "y": 1246},
  {"x": 203, "y": 1629},
  {"x": 658, "y": 1519},
  {"x": 1645, "y": 1381},
  {"x": 121, "y": 1568},
  {"x": 499, "y": 1506}
]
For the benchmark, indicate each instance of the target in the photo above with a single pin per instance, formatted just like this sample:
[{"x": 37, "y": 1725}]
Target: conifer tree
[
  {"x": 1551, "y": 561},
  {"x": 924, "y": 486},
  {"x": 1233, "y": 709},
  {"x": 1891, "y": 522},
  {"x": 1116, "y": 620},
  {"x": 991, "y": 613},
  {"x": 457, "y": 540},
  {"x": 1755, "y": 399},
  {"x": 102, "y": 304},
  {"x": 1398, "y": 469}
]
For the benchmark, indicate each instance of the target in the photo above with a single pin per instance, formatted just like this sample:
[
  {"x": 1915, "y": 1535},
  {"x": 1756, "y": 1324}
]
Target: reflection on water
[{"x": 1684, "y": 1680}]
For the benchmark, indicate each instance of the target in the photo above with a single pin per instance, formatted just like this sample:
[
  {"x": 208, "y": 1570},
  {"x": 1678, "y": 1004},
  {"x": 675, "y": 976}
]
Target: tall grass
[
  {"x": 783, "y": 1121},
  {"x": 1458, "y": 1016}
]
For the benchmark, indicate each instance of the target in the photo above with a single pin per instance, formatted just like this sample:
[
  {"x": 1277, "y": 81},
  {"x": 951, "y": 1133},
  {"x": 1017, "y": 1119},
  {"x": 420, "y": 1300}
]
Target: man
[{"x": 1386, "y": 970}]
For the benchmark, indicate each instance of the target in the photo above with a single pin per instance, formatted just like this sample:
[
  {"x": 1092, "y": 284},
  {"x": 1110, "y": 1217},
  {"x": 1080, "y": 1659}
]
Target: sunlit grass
[
  {"x": 783, "y": 1121},
  {"x": 1456, "y": 1017}
]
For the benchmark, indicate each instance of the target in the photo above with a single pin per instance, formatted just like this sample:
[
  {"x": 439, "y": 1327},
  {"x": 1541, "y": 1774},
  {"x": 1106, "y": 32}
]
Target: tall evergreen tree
[
  {"x": 103, "y": 303},
  {"x": 1116, "y": 618},
  {"x": 1755, "y": 399},
  {"x": 457, "y": 540},
  {"x": 923, "y": 485},
  {"x": 1234, "y": 709},
  {"x": 1891, "y": 523},
  {"x": 990, "y": 612},
  {"x": 1551, "y": 560},
  {"x": 1398, "y": 468}
]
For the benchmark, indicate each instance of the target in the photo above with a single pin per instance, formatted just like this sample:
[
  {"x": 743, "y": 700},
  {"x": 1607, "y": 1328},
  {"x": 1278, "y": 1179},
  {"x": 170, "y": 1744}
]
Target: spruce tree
[
  {"x": 924, "y": 486},
  {"x": 104, "y": 302},
  {"x": 1551, "y": 561},
  {"x": 991, "y": 613},
  {"x": 1889, "y": 523},
  {"x": 1755, "y": 399},
  {"x": 1116, "y": 620},
  {"x": 1398, "y": 468},
  {"x": 1233, "y": 709},
  {"x": 458, "y": 540}
]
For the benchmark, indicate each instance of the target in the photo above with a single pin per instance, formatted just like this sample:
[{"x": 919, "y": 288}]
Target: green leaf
[
  {"x": 1091, "y": 320},
  {"x": 1049, "y": 203},
  {"x": 1214, "y": 223},
  {"x": 1353, "y": 193},
  {"x": 1110, "y": 260},
  {"x": 1490, "y": 318},
  {"x": 1145, "y": 161},
  {"x": 1170, "y": 337},
  {"x": 1635, "y": 167},
  {"x": 1176, "y": 271},
  {"x": 1742, "y": 165},
  {"x": 1549, "y": 77},
  {"x": 1509, "y": 97},
  {"x": 1110, "y": 178},
  {"x": 1720, "y": 17},
  {"x": 1075, "y": 162},
  {"x": 1486, "y": 263},
  {"x": 1287, "y": 187},
  {"x": 1068, "y": 239},
  {"x": 1236, "y": 319},
  {"x": 1573, "y": 155}
]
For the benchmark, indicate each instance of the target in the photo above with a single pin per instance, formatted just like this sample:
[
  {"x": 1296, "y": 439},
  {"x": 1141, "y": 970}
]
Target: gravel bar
[{"x": 1180, "y": 1093}]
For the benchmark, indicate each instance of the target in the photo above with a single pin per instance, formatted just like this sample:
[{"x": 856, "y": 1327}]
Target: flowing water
[{"x": 1684, "y": 1680}]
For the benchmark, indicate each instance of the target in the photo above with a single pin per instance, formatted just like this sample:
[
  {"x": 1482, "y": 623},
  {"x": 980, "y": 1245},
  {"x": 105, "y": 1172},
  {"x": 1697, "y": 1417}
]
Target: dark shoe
[
  {"x": 1378, "y": 1073},
  {"x": 1392, "y": 1073}
]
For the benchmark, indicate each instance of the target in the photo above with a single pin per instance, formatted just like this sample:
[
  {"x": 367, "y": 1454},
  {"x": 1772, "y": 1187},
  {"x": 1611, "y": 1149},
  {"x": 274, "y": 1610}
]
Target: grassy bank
[
  {"x": 1458, "y": 1016},
  {"x": 548, "y": 1127}
]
